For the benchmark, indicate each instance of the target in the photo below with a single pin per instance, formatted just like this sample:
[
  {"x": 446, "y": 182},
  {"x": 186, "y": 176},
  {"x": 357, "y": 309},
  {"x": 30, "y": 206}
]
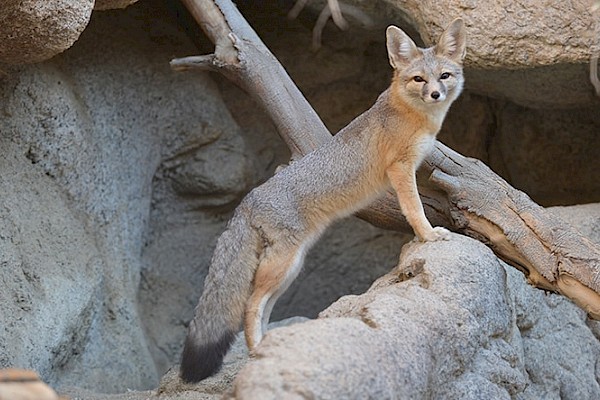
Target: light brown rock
[
  {"x": 533, "y": 53},
  {"x": 32, "y": 31},
  {"x": 512, "y": 34}
]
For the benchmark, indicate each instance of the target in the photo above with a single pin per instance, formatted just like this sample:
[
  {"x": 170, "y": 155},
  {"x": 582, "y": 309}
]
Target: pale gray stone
[
  {"x": 118, "y": 175},
  {"x": 456, "y": 328},
  {"x": 83, "y": 137}
]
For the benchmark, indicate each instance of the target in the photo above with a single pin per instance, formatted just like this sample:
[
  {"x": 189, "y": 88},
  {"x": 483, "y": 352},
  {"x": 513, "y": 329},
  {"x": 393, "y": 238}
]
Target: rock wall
[
  {"x": 33, "y": 31},
  {"x": 395, "y": 338},
  {"x": 91, "y": 140},
  {"x": 118, "y": 175},
  {"x": 124, "y": 175},
  {"x": 451, "y": 321}
]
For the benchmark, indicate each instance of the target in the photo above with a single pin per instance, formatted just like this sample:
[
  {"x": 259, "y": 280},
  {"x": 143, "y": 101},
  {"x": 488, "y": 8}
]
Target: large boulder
[
  {"x": 32, "y": 30},
  {"x": 512, "y": 34},
  {"x": 83, "y": 136},
  {"x": 450, "y": 321},
  {"x": 535, "y": 54}
]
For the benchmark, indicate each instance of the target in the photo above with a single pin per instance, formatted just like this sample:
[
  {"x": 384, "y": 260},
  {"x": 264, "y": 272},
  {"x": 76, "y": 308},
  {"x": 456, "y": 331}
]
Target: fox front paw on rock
[{"x": 435, "y": 234}]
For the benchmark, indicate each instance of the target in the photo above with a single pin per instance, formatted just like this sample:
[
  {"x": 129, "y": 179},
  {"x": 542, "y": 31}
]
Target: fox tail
[{"x": 220, "y": 311}]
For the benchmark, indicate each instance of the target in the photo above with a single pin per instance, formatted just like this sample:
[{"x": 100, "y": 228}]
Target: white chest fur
[{"x": 423, "y": 147}]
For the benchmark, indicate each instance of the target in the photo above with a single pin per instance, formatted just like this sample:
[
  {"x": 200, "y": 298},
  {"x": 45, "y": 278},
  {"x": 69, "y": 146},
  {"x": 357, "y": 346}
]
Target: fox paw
[{"x": 437, "y": 233}]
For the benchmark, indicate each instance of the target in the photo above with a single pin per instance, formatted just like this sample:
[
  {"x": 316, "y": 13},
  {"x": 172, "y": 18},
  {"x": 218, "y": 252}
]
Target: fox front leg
[{"x": 403, "y": 180}]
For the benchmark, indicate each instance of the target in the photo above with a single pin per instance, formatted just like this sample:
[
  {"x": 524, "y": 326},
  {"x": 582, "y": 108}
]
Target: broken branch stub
[
  {"x": 256, "y": 70},
  {"x": 462, "y": 194}
]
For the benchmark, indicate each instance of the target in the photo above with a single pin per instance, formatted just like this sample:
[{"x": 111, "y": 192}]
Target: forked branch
[{"x": 462, "y": 194}]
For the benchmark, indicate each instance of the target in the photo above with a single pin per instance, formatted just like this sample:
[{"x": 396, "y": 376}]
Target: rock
[
  {"x": 446, "y": 323},
  {"x": 535, "y": 54},
  {"x": 391, "y": 339},
  {"x": 32, "y": 31},
  {"x": 83, "y": 136},
  {"x": 172, "y": 388},
  {"x": 508, "y": 34},
  {"x": 584, "y": 217},
  {"x": 51, "y": 273},
  {"x": 112, "y": 4}
]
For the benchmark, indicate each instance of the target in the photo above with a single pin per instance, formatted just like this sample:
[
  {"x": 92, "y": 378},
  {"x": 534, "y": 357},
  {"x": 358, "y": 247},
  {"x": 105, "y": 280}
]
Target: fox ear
[
  {"x": 452, "y": 43},
  {"x": 401, "y": 49}
]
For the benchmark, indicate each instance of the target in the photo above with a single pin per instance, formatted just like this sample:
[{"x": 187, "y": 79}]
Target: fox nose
[{"x": 435, "y": 95}]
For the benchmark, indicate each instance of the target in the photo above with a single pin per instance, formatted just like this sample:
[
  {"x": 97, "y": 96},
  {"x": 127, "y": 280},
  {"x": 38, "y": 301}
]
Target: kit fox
[{"x": 263, "y": 248}]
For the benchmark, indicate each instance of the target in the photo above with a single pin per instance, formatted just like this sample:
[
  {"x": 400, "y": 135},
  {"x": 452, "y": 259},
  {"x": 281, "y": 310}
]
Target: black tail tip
[{"x": 198, "y": 362}]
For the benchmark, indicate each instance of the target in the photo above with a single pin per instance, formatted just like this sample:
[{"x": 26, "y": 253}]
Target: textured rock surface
[
  {"x": 509, "y": 33},
  {"x": 118, "y": 175},
  {"x": 21, "y": 384},
  {"x": 82, "y": 145},
  {"x": 112, "y": 4},
  {"x": 532, "y": 53},
  {"x": 33, "y": 31},
  {"x": 51, "y": 271},
  {"x": 451, "y": 322}
]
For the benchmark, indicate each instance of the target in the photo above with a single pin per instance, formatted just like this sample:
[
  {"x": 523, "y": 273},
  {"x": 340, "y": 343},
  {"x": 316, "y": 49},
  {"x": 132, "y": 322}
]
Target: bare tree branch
[
  {"x": 333, "y": 9},
  {"x": 462, "y": 194},
  {"x": 553, "y": 255},
  {"x": 256, "y": 70}
]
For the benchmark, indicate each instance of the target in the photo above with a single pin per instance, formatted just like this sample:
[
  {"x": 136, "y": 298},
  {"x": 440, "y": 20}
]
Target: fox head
[{"x": 428, "y": 76}]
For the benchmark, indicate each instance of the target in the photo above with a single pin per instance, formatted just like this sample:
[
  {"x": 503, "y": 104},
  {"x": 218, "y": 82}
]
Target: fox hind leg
[
  {"x": 284, "y": 285},
  {"x": 274, "y": 275}
]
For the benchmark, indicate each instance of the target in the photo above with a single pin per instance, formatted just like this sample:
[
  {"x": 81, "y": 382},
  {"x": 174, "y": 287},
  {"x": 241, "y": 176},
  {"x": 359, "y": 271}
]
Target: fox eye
[
  {"x": 418, "y": 79},
  {"x": 445, "y": 75}
]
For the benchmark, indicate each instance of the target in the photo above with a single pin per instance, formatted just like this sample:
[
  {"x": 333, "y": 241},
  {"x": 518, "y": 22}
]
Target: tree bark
[{"x": 459, "y": 193}]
